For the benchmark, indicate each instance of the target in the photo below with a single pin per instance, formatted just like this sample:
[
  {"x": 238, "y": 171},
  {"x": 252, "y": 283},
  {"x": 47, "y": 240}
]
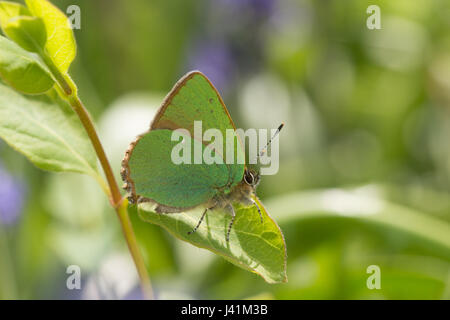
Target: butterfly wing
[
  {"x": 193, "y": 98},
  {"x": 157, "y": 177},
  {"x": 148, "y": 168}
]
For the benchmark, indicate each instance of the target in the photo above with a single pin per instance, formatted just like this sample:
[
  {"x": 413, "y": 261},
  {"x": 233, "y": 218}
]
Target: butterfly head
[
  {"x": 252, "y": 176},
  {"x": 252, "y": 172}
]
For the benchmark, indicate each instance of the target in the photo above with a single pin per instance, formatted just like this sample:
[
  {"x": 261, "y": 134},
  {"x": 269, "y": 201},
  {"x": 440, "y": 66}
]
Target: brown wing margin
[
  {"x": 125, "y": 170},
  {"x": 180, "y": 84}
]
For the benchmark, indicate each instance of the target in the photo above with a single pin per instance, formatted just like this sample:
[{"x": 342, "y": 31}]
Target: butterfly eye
[{"x": 249, "y": 178}]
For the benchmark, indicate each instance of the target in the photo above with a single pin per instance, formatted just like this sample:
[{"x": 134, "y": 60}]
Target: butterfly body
[
  {"x": 241, "y": 193},
  {"x": 150, "y": 174}
]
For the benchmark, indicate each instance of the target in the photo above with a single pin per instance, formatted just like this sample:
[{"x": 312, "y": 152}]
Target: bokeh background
[{"x": 364, "y": 173}]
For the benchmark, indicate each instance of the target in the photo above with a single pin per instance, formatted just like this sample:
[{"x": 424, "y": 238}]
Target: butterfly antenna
[{"x": 264, "y": 150}]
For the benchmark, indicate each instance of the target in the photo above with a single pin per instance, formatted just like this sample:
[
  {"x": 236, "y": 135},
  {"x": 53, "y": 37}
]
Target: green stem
[
  {"x": 69, "y": 93},
  {"x": 59, "y": 77},
  {"x": 127, "y": 229},
  {"x": 83, "y": 115}
]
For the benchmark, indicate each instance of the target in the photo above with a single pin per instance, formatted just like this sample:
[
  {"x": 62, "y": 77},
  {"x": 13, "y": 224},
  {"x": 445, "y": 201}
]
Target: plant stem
[
  {"x": 127, "y": 229},
  {"x": 69, "y": 91},
  {"x": 77, "y": 106}
]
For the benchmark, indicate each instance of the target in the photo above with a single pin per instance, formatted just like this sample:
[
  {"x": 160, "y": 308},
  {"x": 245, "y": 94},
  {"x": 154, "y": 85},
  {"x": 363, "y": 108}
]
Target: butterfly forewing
[{"x": 150, "y": 167}]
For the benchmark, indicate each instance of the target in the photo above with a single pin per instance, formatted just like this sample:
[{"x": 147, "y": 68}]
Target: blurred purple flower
[
  {"x": 215, "y": 61},
  {"x": 11, "y": 198},
  {"x": 257, "y": 7},
  {"x": 135, "y": 294}
]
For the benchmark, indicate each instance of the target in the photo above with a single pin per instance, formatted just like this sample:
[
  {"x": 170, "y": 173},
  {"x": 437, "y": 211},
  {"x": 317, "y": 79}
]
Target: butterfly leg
[
  {"x": 199, "y": 222},
  {"x": 257, "y": 207},
  {"x": 233, "y": 216}
]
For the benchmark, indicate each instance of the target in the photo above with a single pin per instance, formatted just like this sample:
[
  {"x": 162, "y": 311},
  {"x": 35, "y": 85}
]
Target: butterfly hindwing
[{"x": 157, "y": 177}]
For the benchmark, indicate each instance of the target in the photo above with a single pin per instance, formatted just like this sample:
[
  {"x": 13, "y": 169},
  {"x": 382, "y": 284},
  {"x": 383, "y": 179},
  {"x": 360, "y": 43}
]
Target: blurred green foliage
[{"x": 367, "y": 113}]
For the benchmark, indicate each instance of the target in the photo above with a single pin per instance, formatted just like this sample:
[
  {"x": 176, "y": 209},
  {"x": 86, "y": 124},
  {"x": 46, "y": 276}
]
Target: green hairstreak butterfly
[{"x": 150, "y": 174}]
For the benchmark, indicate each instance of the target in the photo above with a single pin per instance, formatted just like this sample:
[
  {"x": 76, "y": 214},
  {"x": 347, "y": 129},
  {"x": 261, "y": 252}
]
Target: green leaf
[
  {"x": 27, "y": 32},
  {"x": 9, "y": 10},
  {"x": 254, "y": 246},
  {"x": 61, "y": 45},
  {"x": 365, "y": 205},
  {"x": 47, "y": 131},
  {"x": 23, "y": 70}
]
